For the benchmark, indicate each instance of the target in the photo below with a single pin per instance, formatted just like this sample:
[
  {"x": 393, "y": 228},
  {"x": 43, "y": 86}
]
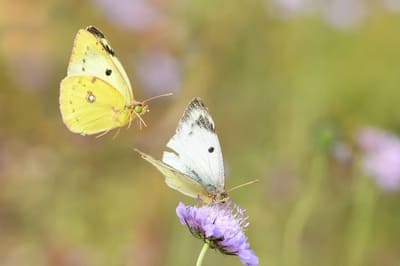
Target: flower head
[
  {"x": 381, "y": 157},
  {"x": 222, "y": 226}
]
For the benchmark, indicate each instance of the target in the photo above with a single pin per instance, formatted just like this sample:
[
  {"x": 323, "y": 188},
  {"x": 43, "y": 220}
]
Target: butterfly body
[
  {"x": 194, "y": 166},
  {"x": 96, "y": 96}
]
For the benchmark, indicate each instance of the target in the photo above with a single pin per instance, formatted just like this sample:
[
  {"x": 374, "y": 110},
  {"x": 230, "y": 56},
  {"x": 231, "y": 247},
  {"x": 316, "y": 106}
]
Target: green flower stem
[
  {"x": 202, "y": 254},
  {"x": 301, "y": 213},
  {"x": 364, "y": 199}
]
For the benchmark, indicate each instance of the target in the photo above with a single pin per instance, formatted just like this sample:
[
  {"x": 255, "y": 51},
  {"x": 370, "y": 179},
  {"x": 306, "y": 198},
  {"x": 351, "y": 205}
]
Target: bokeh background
[{"x": 296, "y": 88}]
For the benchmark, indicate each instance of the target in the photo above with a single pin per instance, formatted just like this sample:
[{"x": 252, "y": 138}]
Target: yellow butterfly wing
[
  {"x": 90, "y": 105},
  {"x": 177, "y": 180},
  {"x": 93, "y": 56}
]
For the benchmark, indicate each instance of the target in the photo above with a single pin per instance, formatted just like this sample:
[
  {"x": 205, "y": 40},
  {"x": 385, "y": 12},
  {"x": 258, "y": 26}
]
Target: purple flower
[
  {"x": 220, "y": 225},
  {"x": 158, "y": 71},
  {"x": 139, "y": 15},
  {"x": 345, "y": 14},
  {"x": 381, "y": 157},
  {"x": 340, "y": 14},
  {"x": 289, "y": 8},
  {"x": 391, "y": 5}
]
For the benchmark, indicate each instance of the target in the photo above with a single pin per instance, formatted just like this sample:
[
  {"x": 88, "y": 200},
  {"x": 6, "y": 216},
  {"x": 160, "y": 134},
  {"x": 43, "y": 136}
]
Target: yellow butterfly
[
  {"x": 194, "y": 166},
  {"x": 96, "y": 96}
]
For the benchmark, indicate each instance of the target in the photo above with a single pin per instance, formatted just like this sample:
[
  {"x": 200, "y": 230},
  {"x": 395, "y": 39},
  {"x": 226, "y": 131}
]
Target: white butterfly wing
[{"x": 196, "y": 149}]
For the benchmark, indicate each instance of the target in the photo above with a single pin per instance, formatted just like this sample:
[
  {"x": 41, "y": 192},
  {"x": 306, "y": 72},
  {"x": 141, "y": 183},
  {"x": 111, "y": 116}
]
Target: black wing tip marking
[
  {"x": 197, "y": 102},
  {"x": 202, "y": 121},
  {"x": 95, "y": 31},
  {"x": 101, "y": 38}
]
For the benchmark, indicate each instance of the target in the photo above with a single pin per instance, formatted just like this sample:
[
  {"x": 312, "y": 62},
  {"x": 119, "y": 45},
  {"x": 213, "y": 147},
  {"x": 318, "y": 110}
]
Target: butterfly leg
[
  {"x": 116, "y": 133},
  {"x": 141, "y": 121},
  {"x": 200, "y": 201},
  {"x": 130, "y": 120},
  {"x": 102, "y": 134}
]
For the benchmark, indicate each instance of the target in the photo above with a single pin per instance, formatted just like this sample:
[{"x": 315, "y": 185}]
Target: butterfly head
[
  {"x": 137, "y": 109},
  {"x": 213, "y": 197},
  {"x": 220, "y": 197},
  {"x": 140, "y": 108}
]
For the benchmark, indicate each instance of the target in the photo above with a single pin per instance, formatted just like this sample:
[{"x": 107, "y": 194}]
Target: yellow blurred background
[{"x": 288, "y": 83}]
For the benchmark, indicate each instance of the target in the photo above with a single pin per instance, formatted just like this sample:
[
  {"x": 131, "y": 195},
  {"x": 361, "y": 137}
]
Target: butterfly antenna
[
  {"x": 243, "y": 185},
  {"x": 158, "y": 96}
]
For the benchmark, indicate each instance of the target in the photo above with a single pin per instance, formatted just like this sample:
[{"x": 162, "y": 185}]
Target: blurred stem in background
[
  {"x": 302, "y": 211},
  {"x": 363, "y": 204}
]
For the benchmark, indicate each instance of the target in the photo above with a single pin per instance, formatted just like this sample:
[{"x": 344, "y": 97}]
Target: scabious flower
[
  {"x": 221, "y": 226},
  {"x": 381, "y": 157}
]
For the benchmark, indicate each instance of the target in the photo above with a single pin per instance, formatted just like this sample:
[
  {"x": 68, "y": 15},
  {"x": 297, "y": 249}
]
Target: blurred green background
[{"x": 286, "y": 81}]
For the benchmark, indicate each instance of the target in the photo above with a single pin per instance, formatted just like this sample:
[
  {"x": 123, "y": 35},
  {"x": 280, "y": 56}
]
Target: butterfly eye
[
  {"x": 138, "y": 109},
  {"x": 211, "y": 149}
]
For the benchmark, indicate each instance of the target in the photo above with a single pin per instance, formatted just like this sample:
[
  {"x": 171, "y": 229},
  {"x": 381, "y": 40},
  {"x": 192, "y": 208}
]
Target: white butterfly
[{"x": 194, "y": 166}]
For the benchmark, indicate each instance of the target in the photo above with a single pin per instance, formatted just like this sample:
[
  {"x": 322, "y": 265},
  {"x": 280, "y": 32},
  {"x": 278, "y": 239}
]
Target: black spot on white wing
[
  {"x": 211, "y": 149},
  {"x": 108, "y": 72}
]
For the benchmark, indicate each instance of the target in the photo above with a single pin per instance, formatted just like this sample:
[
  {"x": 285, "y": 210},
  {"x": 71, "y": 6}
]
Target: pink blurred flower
[
  {"x": 139, "y": 15},
  {"x": 31, "y": 71},
  {"x": 342, "y": 152},
  {"x": 341, "y": 14},
  {"x": 158, "y": 72},
  {"x": 288, "y": 8},
  {"x": 381, "y": 157},
  {"x": 391, "y": 5},
  {"x": 345, "y": 14}
]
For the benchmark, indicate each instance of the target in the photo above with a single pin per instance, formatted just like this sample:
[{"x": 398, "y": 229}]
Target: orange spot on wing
[{"x": 115, "y": 110}]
